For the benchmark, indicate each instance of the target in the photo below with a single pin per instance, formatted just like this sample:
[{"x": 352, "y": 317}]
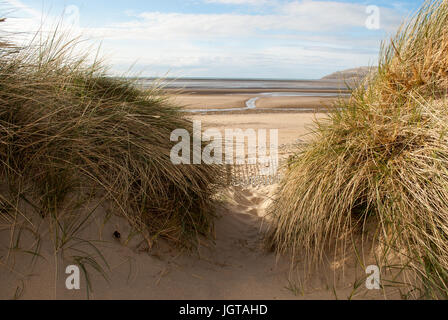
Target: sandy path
[{"x": 234, "y": 266}]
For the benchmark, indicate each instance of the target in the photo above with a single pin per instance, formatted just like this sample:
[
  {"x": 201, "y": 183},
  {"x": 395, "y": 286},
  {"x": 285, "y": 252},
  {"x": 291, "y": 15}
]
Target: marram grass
[
  {"x": 70, "y": 134},
  {"x": 382, "y": 160}
]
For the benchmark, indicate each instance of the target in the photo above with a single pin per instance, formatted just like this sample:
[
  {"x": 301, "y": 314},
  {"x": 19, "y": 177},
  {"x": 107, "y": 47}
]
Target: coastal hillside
[{"x": 350, "y": 74}]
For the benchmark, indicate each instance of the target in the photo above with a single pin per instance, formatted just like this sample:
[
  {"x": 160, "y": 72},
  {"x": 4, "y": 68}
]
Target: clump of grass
[
  {"x": 69, "y": 133},
  {"x": 380, "y": 159}
]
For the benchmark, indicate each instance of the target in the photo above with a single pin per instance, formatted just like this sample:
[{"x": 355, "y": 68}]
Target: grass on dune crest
[
  {"x": 381, "y": 159},
  {"x": 70, "y": 134}
]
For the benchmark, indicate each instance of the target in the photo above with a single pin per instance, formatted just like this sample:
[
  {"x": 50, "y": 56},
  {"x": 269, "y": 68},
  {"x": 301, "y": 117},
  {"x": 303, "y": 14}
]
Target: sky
[{"x": 263, "y": 39}]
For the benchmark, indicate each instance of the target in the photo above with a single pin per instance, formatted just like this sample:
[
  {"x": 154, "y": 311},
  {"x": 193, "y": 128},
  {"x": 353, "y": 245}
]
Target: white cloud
[
  {"x": 293, "y": 37},
  {"x": 292, "y": 18}
]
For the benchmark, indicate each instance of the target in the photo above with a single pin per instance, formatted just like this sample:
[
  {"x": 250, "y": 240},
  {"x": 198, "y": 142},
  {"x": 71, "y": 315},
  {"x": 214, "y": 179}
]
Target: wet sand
[{"x": 208, "y": 100}]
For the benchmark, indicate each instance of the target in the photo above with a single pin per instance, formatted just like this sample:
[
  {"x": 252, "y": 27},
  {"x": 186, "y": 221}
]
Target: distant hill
[{"x": 350, "y": 74}]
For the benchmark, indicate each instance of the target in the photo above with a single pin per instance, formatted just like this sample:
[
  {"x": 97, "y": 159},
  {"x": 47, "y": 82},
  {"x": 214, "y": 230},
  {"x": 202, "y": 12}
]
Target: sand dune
[{"x": 235, "y": 266}]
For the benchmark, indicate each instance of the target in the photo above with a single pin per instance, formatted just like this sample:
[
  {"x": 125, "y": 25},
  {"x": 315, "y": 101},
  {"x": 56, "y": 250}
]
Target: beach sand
[{"x": 235, "y": 265}]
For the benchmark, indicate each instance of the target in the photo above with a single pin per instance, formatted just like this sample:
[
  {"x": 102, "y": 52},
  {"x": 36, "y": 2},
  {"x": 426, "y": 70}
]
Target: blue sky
[{"x": 272, "y": 39}]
